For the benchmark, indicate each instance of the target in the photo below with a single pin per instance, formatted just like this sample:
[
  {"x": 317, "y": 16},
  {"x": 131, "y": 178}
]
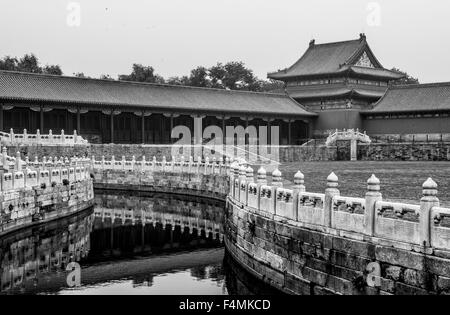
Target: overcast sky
[{"x": 175, "y": 36}]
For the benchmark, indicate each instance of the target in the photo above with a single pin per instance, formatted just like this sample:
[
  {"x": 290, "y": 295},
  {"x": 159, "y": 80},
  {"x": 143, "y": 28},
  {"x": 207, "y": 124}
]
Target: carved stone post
[
  {"x": 262, "y": 176},
  {"x": 299, "y": 187},
  {"x": 277, "y": 182},
  {"x": 428, "y": 201},
  {"x": 249, "y": 175},
  {"x": 330, "y": 192},
  {"x": 372, "y": 196},
  {"x": 353, "y": 149},
  {"x": 249, "y": 179},
  {"x": 299, "y": 182}
]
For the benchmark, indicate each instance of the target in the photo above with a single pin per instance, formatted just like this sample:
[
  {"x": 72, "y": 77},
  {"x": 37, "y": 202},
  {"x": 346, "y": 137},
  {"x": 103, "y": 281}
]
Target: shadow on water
[{"x": 127, "y": 244}]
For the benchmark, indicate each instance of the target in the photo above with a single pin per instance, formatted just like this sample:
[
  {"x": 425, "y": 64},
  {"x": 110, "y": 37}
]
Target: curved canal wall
[
  {"x": 207, "y": 179},
  {"x": 36, "y": 192},
  {"x": 305, "y": 243}
]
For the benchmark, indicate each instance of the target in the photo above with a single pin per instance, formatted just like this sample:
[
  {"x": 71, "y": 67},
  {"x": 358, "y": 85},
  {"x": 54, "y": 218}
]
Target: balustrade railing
[
  {"x": 17, "y": 173},
  {"x": 347, "y": 135},
  {"x": 173, "y": 165},
  {"x": 420, "y": 227},
  {"x": 49, "y": 139}
]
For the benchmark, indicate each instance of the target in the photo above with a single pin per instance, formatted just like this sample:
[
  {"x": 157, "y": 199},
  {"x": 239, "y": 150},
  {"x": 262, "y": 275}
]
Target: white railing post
[
  {"x": 262, "y": 176},
  {"x": 428, "y": 201},
  {"x": 11, "y": 135},
  {"x": 299, "y": 187},
  {"x": 18, "y": 164},
  {"x": 277, "y": 182},
  {"x": 330, "y": 192},
  {"x": 373, "y": 195}
]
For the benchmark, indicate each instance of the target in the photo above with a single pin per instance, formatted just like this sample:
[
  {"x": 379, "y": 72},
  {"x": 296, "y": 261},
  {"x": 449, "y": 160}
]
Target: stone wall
[
  {"x": 290, "y": 154},
  {"x": 33, "y": 192},
  {"x": 193, "y": 184},
  {"x": 298, "y": 260},
  {"x": 22, "y": 208},
  {"x": 439, "y": 151},
  {"x": 287, "y": 153},
  {"x": 311, "y": 243}
]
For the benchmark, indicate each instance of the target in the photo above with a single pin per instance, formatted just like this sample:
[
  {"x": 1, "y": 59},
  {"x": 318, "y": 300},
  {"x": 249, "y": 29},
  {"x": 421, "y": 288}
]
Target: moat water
[{"x": 127, "y": 244}]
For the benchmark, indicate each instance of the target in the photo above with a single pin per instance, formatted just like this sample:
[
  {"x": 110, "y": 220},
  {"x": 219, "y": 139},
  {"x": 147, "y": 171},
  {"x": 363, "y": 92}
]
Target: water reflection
[
  {"x": 128, "y": 225},
  {"x": 29, "y": 258},
  {"x": 126, "y": 244}
]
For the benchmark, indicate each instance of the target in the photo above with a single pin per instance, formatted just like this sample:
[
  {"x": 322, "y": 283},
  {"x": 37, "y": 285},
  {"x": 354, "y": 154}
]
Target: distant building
[
  {"x": 337, "y": 81},
  {"x": 332, "y": 86},
  {"x": 107, "y": 111},
  {"x": 419, "y": 109}
]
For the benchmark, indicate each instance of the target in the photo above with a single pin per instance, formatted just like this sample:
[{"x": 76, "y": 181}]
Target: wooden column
[
  {"x": 162, "y": 125},
  {"x": 224, "y": 131},
  {"x": 143, "y": 127},
  {"x": 246, "y": 135},
  {"x": 1, "y": 118},
  {"x": 78, "y": 121},
  {"x": 112, "y": 126},
  {"x": 171, "y": 128},
  {"x": 289, "y": 132},
  {"x": 269, "y": 133},
  {"x": 41, "y": 120}
]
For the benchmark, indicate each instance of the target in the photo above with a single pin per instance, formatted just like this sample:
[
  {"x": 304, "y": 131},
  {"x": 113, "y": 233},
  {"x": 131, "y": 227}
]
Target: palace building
[
  {"x": 332, "y": 86},
  {"x": 108, "y": 111},
  {"x": 337, "y": 80}
]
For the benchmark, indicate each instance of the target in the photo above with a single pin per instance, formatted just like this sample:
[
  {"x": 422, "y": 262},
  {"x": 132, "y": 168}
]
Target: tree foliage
[
  {"x": 406, "y": 80},
  {"x": 80, "y": 75},
  {"x": 142, "y": 74},
  {"x": 52, "y": 69},
  {"x": 106, "y": 77},
  {"x": 233, "y": 75},
  {"x": 28, "y": 63}
]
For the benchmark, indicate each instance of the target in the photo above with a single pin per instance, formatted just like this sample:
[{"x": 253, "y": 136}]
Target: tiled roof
[
  {"x": 414, "y": 98},
  {"x": 339, "y": 90},
  {"x": 71, "y": 90},
  {"x": 334, "y": 58}
]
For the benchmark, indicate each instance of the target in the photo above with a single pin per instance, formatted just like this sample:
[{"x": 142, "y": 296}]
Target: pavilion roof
[
  {"x": 336, "y": 58},
  {"x": 431, "y": 97},
  {"x": 28, "y": 87},
  {"x": 336, "y": 91}
]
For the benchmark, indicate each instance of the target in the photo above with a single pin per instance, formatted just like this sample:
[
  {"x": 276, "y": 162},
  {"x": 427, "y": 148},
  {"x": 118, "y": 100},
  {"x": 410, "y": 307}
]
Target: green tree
[
  {"x": 217, "y": 73},
  {"x": 142, "y": 74},
  {"x": 80, "y": 75},
  {"x": 106, "y": 77},
  {"x": 52, "y": 69},
  {"x": 9, "y": 63},
  {"x": 199, "y": 77},
  {"x": 184, "y": 80},
  {"x": 271, "y": 86},
  {"x": 29, "y": 63},
  {"x": 234, "y": 75},
  {"x": 406, "y": 80}
]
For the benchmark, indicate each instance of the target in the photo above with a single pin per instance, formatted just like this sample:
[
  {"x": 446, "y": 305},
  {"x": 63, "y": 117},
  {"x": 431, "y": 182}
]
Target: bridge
[{"x": 352, "y": 135}]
